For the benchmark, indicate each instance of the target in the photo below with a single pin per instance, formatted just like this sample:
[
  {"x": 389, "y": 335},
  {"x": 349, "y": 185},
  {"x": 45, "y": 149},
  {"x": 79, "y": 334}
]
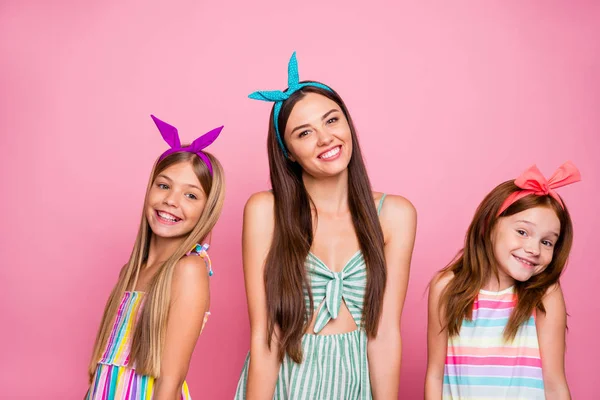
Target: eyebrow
[
  {"x": 328, "y": 112},
  {"x": 531, "y": 223},
  {"x": 322, "y": 118},
  {"x": 185, "y": 184}
]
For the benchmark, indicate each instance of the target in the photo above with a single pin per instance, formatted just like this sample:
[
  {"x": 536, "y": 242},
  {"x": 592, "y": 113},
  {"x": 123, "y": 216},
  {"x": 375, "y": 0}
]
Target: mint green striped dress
[{"x": 333, "y": 366}]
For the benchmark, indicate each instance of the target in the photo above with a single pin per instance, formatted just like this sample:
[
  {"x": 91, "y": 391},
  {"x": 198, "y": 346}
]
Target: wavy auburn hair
[{"x": 475, "y": 264}]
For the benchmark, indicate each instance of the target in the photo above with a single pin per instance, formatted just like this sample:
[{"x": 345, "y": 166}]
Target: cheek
[
  {"x": 512, "y": 241},
  {"x": 349, "y": 144},
  {"x": 150, "y": 201},
  {"x": 297, "y": 148},
  {"x": 546, "y": 259},
  {"x": 343, "y": 131},
  {"x": 303, "y": 148},
  {"x": 302, "y": 152},
  {"x": 548, "y": 255},
  {"x": 504, "y": 244},
  {"x": 194, "y": 211},
  {"x": 500, "y": 242},
  {"x": 153, "y": 196}
]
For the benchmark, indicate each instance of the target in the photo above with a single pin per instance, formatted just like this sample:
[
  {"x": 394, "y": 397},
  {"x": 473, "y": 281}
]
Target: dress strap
[
  {"x": 380, "y": 203},
  {"x": 202, "y": 252}
]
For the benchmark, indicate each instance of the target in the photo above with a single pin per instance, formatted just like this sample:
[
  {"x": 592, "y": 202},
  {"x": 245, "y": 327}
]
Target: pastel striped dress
[
  {"x": 481, "y": 365},
  {"x": 114, "y": 378},
  {"x": 333, "y": 366}
]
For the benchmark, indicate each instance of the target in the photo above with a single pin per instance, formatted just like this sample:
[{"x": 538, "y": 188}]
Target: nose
[
  {"x": 533, "y": 247},
  {"x": 325, "y": 138},
  {"x": 171, "y": 199}
]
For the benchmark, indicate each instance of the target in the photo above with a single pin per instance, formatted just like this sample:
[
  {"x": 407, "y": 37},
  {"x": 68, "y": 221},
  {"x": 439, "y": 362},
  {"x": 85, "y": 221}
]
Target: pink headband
[
  {"x": 533, "y": 182},
  {"x": 169, "y": 133}
]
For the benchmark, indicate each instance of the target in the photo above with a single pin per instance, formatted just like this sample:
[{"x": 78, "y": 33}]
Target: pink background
[{"x": 449, "y": 100}]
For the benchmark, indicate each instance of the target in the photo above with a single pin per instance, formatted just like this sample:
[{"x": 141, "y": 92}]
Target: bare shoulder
[
  {"x": 260, "y": 204},
  {"x": 398, "y": 218},
  {"x": 437, "y": 285},
  {"x": 190, "y": 274},
  {"x": 553, "y": 291},
  {"x": 553, "y": 298},
  {"x": 257, "y": 231},
  {"x": 439, "y": 282},
  {"x": 396, "y": 208}
]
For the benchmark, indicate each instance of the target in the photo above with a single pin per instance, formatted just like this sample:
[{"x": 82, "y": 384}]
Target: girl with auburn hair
[
  {"x": 497, "y": 317},
  {"x": 326, "y": 259},
  {"x": 160, "y": 303}
]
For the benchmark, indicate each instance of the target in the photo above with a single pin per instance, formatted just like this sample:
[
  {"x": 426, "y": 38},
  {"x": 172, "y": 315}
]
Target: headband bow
[
  {"x": 278, "y": 96},
  {"x": 533, "y": 182},
  {"x": 169, "y": 133}
]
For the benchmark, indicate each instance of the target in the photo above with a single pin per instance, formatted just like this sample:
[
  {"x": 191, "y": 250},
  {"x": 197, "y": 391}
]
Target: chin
[
  {"x": 160, "y": 233},
  {"x": 166, "y": 233},
  {"x": 522, "y": 276},
  {"x": 335, "y": 170}
]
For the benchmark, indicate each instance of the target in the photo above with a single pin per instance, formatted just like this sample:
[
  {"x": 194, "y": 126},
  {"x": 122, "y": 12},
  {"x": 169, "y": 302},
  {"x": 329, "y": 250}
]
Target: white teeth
[
  {"x": 167, "y": 217},
  {"x": 331, "y": 153},
  {"x": 524, "y": 261}
]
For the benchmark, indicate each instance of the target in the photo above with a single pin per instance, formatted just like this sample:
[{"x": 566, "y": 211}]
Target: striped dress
[
  {"x": 114, "y": 379},
  {"x": 481, "y": 365},
  {"x": 333, "y": 366}
]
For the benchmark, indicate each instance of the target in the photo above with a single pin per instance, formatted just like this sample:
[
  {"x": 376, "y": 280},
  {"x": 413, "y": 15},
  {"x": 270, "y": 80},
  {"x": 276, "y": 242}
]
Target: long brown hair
[
  {"x": 285, "y": 275},
  {"x": 149, "y": 333},
  {"x": 475, "y": 264}
]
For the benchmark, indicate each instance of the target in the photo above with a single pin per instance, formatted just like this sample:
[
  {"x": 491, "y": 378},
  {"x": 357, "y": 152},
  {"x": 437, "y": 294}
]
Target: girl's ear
[{"x": 290, "y": 157}]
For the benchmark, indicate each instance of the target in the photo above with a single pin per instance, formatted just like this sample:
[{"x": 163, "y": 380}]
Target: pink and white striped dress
[{"x": 481, "y": 365}]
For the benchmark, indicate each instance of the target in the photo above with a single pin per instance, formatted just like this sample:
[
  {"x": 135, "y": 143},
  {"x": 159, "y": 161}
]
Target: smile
[
  {"x": 167, "y": 218},
  {"x": 330, "y": 154},
  {"x": 524, "y": 261}
]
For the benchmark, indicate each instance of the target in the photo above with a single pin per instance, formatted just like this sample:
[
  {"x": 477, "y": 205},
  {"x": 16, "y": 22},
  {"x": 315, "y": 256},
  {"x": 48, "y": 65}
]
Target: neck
[
  {"x": 161, "y": 249},
  {"x": 497, "y": 285},
  {"x": 330, "y": 194}
]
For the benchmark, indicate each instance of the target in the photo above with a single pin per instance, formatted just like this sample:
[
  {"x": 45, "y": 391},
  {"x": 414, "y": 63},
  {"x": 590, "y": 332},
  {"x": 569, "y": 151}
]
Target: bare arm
[
  {"x": 399, "y": 221},
  {"x": 437, "y": 340},
  {"x": 190, "y": 300},
  {"x": 256, "y": 240},
  {"x": 551, "y": 329}
]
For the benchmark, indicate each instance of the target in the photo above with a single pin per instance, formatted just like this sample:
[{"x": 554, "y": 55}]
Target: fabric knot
[
  {"x": 171, "y": 136},
  {"x": 333, "y": 294},
  {"x": 533, "y": 182},
  {"x": 334, "y": 291},
  {"x": 278, "y": 96}
]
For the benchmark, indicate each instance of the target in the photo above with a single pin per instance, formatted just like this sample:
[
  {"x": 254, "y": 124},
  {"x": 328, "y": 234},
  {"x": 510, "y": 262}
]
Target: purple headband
[{"x": 169, "y": 133}]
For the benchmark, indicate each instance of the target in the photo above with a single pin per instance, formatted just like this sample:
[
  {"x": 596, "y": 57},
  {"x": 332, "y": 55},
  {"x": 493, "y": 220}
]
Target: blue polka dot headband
[{"x": 278, "y": 96}]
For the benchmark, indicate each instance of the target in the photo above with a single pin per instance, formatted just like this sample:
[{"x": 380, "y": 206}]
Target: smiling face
[
  {"x": 175, "y": 201},
  {"x": 318, "y": 136},
  {"x": 524, "y": 243}
]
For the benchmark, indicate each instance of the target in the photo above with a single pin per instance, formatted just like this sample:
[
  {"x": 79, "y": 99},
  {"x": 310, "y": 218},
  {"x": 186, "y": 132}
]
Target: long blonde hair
[{"x": 149, "y": 335}]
